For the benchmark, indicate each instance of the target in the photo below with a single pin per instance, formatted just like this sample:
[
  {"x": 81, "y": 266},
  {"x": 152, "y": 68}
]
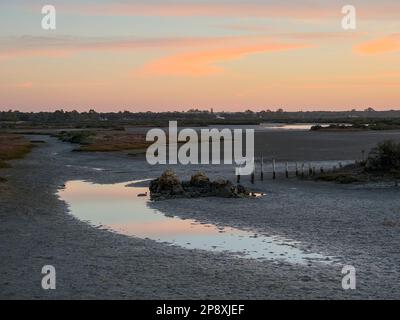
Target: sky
[{"x": 229, "y": 55}]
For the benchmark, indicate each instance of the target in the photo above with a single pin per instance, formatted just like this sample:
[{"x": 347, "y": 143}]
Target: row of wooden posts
[{"x": 299, "y": 171}]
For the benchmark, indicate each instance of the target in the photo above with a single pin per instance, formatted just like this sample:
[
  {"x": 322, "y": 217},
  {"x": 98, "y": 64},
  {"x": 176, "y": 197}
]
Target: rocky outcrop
[{"x": 168, "y": 186}]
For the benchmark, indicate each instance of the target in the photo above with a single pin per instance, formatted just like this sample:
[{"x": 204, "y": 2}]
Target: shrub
[
  {"x": 316, "y": 127},
  {"x": 384, "y": 157},
  {"x": 76, "y": 137}
]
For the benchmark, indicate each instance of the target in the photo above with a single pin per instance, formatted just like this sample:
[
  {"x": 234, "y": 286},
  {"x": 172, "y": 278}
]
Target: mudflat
[{"x": 348, "y": 222}]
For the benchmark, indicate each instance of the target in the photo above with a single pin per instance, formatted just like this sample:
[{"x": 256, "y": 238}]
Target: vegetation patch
[
  {"x": 78, "y": 137},
  {"x": 106, "y": 141},
  {"x": 360, "y": 125},
  {"x": 390, "y": 224},
  {"x": 382, "y": 164},
  {"x": 339, "y": 177},
  {"x": 13, "y": 147}
]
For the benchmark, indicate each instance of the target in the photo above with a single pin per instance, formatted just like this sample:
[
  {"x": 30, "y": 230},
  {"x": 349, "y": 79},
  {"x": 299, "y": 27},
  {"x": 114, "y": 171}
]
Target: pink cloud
[
  {"x": 24, "y": 85},
  {"x": 63, "y": 46},
  {"x": 205, "y": 62}
]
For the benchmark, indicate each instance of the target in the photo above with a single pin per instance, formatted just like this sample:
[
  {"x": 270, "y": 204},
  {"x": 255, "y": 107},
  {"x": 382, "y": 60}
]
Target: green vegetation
[{"x": 382, "y": 164}]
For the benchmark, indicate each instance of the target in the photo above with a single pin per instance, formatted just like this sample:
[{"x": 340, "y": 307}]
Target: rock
[
  {"x": 242, "y": 190},
  {"x": 168, "y": 186},
  {"x": 200, "y": 180},
  {"x": 224, "y": 188}
]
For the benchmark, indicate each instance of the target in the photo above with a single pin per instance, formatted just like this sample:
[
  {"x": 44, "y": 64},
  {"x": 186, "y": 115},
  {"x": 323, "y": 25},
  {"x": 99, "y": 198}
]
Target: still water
[{"x": 123, "y": 208}]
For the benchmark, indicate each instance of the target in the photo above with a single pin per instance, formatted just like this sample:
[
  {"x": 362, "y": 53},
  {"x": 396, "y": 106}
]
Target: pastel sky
[{"x": 228, "y": 55}]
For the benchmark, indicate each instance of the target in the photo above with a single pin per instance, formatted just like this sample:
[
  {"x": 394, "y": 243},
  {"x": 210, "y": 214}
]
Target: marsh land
[{"x": 355, "y": 224}]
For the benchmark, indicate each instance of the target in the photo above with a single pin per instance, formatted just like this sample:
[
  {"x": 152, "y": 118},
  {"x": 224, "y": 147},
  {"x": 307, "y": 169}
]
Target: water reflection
[{"x": 124, "y": 209}]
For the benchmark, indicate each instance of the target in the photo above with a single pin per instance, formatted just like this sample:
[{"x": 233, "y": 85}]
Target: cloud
[
  {"x": 304, "y": 9},
  {"x": 24, "y": 85},
  {"x": 382, "y": 45},
  {"x": 63, "y": 46},
  {"x": 206, "y": 62}
]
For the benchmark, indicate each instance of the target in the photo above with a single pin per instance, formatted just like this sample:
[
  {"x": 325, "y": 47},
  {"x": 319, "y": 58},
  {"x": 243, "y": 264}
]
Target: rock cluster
[{"x": 168, "y": 186}]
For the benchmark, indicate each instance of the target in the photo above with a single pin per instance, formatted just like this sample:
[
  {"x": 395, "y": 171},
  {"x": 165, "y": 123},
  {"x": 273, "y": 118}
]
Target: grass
[
  {"x": 106, "y": 141},
  {"x": 13, "y": 147},
  {"x": 339, "y": 177},
  {"x": 78, "y": 137},
  {"x": 382, "y": 164},
  {"x": 116, "y": 142},
  {"x": 4, "y": 164}
]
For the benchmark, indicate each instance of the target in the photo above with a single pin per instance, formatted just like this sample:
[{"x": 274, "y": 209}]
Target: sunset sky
[{"x": 228, "y": 55}]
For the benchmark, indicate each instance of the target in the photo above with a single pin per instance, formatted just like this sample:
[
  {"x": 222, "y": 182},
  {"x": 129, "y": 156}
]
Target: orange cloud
[
  {"x": 204, "y": 63},
  {"x": 63, "y": 46},
  {"x": 382, "y": 45},
  {"x": 24, "y": 85}
]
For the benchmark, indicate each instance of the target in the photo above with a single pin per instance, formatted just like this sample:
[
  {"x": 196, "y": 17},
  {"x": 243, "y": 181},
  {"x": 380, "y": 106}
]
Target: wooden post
[
  {"x": 287, "y": 170},
  {"x": 273, "y": 169},
  {"x": 262, "y": 168}
]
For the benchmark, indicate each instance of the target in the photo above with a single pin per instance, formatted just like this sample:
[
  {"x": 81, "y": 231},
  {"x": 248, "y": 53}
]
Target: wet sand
[{"x": 342, "y": 221}]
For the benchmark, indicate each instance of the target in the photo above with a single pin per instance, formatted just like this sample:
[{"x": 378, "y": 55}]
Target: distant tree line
[{"x": 194, "y": 116}]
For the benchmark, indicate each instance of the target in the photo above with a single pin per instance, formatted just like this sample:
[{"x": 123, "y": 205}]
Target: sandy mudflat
[{"x": 342, "y": 221}]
